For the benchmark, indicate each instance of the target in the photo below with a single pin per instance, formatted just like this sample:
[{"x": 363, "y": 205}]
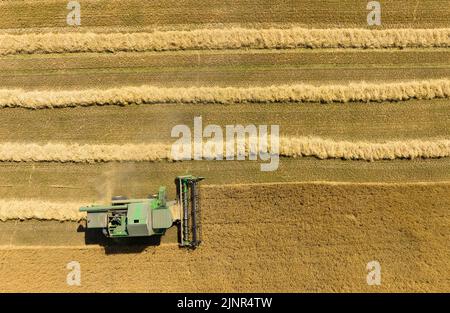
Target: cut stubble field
[
  {"x": 105, "y": 15},
  {"x": 221, "y": 68},
  {"x": 414, "y": 119}
]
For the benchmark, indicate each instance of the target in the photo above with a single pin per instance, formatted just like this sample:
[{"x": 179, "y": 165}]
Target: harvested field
[
  {"x": 416, "y": 119},
  {"x": 216, "y": 68},
  {"x": 104, "y": 15},
  {"x": 363, "y": 112},
  {"x": 321, "y": 243}
]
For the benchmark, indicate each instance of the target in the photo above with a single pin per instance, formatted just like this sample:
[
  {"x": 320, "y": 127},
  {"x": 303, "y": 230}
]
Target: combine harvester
[{"x": 125, "y": 218}]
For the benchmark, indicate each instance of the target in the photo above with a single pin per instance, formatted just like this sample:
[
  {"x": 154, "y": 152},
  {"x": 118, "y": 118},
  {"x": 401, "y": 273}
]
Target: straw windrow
[
  {"x": 232, "y": 38},
  {"x": 354, "y": 92},
  {"x": 288, "y": 147}
]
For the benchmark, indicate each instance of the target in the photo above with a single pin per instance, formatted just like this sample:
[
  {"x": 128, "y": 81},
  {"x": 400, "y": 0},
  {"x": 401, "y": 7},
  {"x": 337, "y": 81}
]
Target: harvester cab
[{"x": 152, "y": 216}]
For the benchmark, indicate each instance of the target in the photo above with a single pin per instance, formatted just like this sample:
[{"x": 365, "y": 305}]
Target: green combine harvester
[{"x": 125, "y": 218}]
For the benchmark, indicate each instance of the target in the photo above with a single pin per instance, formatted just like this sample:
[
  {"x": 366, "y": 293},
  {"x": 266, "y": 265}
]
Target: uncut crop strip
[
  {"x": 353, "y": 92},
  {"x": 232, "y": 38},
  {"x": 288, "y": 147}
]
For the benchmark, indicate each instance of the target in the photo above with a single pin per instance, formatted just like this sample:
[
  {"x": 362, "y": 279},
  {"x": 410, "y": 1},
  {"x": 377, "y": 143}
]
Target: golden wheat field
[{"x": 362, "y": 143}]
